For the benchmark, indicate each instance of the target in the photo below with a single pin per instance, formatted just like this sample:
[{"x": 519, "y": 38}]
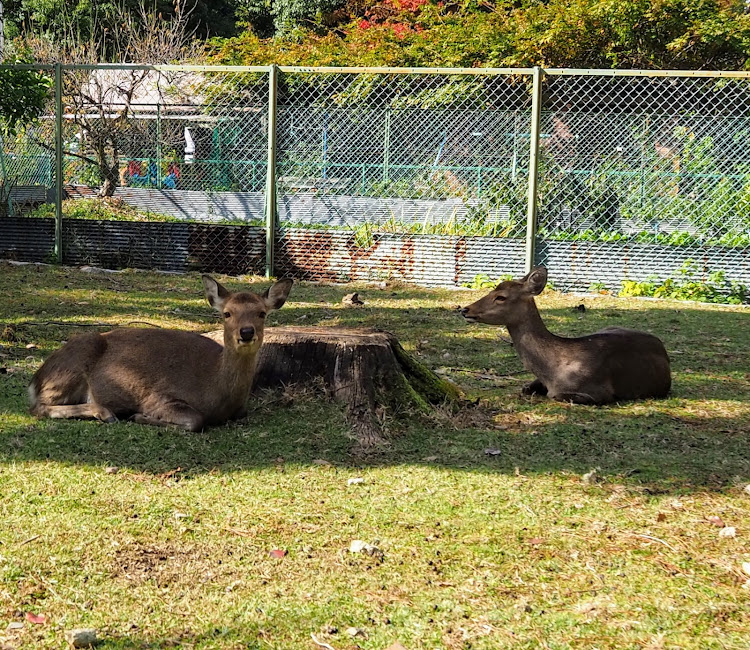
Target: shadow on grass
[{"x": 649, "y": 447}]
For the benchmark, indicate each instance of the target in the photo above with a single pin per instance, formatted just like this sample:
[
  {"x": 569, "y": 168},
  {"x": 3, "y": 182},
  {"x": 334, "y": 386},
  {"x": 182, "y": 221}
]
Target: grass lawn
[{"x": 508, "y": 549}]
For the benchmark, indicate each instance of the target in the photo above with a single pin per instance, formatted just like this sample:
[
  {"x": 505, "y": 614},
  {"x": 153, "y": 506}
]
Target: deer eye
[
  {"x": 262, "y": 314},
  {"x": 227, "y": 314},
  {"x": 500, "y": 298}
]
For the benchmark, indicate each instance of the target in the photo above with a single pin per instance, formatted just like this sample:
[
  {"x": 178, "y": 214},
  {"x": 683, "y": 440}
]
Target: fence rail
[{"x": 434, "y": 176}]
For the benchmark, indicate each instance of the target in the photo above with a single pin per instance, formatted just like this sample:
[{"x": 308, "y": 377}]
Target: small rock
[
  {"x": 492, "y": 452},
  {"x": 355, "y": 481},
  {"x": 111, "y": 470},
  {"x": 590, "y": 478},
  {"x": 15, "y": 625},
  {"x": 728, "y": 531},
  {"x": 356, "y": 632},
  {"x": 746, "y": 489},
  {"x": 81, "y": 638}
]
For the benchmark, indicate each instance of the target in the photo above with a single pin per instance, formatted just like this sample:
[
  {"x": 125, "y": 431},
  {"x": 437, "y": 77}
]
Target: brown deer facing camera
[
  {"x": 612, "y": 365},
  {"x": 157, "y": 376}
]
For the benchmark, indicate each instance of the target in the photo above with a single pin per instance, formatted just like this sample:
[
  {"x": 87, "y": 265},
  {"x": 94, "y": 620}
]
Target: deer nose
[
  {"x": 247, "y": 334},
  {"x": 465, "y": 311}
]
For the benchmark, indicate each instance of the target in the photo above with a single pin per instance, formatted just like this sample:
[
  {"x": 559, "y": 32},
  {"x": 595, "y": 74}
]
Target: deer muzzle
[
  {"x": 465, "y": 314},
  {"x": 247, "y": 335}
]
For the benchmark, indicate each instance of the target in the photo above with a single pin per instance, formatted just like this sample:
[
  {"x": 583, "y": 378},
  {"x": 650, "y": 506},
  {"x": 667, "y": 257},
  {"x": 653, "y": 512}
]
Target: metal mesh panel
[
  {"x": 27, "y": 175},
  {"x": 175, "y": 144},
  {"x": 642, "y": 175},
  {"x": 389, "y": 161},
  {"x": 414, "y": 175}
]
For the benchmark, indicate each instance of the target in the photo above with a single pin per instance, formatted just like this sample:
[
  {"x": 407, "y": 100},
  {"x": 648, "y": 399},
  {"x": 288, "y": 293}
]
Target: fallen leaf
[
  {"x": 358, "y": 546},
  {"x": 355, "y": 481},
  {"x": 430, "y": 459},
  {"x": 15, "y": 625},
  {"x": 278, "y": 553},
  {"x": 111, "y": 470},
  {"x": 320, "y": 461},
  {"x": 535, "y": 541},
  {"x": 661, "y": 517},
  {"x": 395, "y": 646},
  {"x": 715, "y": 520},
  {"x": 38, "y": 619},
  {"x": 746, "y": 567}
]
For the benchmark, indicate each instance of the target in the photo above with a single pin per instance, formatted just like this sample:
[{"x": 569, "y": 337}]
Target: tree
[
  {"x": 283, "y": 17},
  {"x": 23, "y": 95},
  {"x": 99, "y": 103},
  {"x": 683, "y": 34},
  {"x": 78, "y": 19}
]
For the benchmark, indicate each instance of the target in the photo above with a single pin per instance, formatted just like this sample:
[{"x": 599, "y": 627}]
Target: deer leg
[
  {"x": 580, "y": 398},
  {"x": 171, "y": 414},
  {"x": 535, "y": 387},
  {"x": 89, "y": 411}
]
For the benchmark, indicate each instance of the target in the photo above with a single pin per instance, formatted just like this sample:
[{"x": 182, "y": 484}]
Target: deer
[
  {"x": 158, "y": 376},
  {"x": 612, "y": 365}
]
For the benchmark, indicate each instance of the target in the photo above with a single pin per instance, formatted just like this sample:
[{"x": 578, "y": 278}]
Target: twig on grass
[
  {"x": 655, "y": 539},
  {"x": 62, "y": 323},
  {"x": 321, "y": 643},
  {"x": 29, "y": 540}
]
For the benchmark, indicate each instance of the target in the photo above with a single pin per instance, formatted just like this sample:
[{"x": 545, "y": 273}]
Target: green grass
[{"x": 510, "y": 550}]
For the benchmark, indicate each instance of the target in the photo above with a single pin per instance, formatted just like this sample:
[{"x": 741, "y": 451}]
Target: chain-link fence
[{"x": 429, "y": 176}]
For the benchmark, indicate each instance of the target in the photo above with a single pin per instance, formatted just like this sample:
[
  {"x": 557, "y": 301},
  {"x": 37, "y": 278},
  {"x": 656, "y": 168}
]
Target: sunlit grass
[{"x": 492, "y": 531}]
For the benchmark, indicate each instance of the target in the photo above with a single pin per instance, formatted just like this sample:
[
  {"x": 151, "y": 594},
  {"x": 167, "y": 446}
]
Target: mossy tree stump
[{"x": 366, "y": 370}]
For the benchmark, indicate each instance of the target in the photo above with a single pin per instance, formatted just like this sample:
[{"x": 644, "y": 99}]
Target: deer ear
[
  {"x": 276, "y": 295},
  {"x": 215, "y": 293},
  {"x": 536, "y": 280}
]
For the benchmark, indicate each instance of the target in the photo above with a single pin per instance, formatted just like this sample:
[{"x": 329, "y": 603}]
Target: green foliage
[
  {"x": 99, "y": 209},
  {"x": 483, "y": 281},
  {"x": 691, "y": 282},
  {"x": 23, "y": 95},
  {"x": 284, "y": 17},
  {"x": 583, "y": 33},
  {"x": 78, "y": 21}
]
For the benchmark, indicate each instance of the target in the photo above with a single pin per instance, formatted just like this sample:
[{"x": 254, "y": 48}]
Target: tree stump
[{"x": 366, "y": 370}]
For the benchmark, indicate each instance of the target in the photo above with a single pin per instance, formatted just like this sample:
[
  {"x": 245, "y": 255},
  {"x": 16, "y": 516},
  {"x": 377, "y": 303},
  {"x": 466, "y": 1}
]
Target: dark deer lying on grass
[
  {"x": 160, "y": 377},
  {"x": 611, "y": 365}
]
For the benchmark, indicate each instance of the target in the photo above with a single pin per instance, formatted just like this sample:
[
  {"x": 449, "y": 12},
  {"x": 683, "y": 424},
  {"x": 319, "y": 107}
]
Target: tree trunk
[{"x": 366, "y": 370}]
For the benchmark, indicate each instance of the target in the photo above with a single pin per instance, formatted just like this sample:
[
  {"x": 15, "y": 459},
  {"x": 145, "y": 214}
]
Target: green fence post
[
  {"x": 531, "y": 216},
  {"x": 271, "y": 170},
  {"x": 386, "y": 145},
  {"x": 158, "y": 146},
  {"x": 58, "y": 163}
]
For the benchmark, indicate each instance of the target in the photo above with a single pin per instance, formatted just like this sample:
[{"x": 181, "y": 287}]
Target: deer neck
[
  {"x": 537, "y": 347},
  {"x": 235, "y": 375}
]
